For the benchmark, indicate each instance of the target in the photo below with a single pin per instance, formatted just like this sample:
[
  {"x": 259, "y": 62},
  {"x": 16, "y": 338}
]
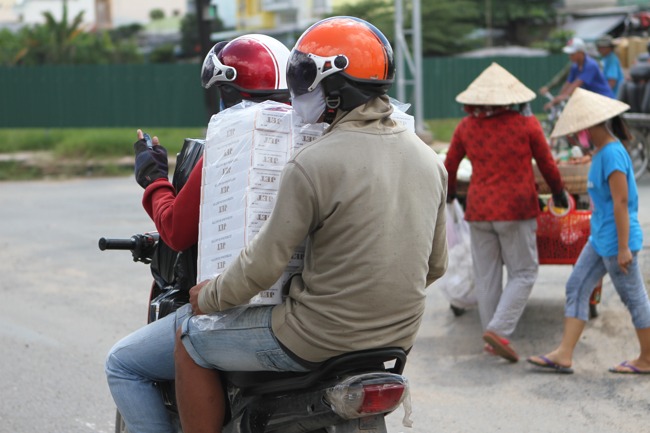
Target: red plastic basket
[{"x": 561, "y": 239}]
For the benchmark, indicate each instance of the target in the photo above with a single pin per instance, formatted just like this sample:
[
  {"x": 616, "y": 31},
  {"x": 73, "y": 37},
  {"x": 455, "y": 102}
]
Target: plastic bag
[{"x": 458, "y": 282}]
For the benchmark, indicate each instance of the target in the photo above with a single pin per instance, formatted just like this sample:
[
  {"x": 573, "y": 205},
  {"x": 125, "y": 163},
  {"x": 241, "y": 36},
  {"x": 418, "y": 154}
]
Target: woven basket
[{"x": 574, "y": 177}]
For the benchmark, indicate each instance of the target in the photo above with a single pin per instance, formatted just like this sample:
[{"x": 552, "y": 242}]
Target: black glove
[
  {"x": 561, "y": 199},
  {"x": 150, "y": 163}
]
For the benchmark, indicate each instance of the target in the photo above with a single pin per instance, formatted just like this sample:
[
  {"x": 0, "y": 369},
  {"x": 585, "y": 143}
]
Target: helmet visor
[
  {"x": 213, "y": 70},
  {"x": 306, "y": 71}
]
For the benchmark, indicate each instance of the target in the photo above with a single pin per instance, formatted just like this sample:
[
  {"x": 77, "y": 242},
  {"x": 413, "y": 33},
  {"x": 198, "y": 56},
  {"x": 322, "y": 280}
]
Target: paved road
[
  {"x": 457, "y": 388},
  {"x": 64, "y": 303}
]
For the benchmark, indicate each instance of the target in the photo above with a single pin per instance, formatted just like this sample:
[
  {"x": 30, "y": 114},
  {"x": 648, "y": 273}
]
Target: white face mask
[{"x": 310, "y": 106}]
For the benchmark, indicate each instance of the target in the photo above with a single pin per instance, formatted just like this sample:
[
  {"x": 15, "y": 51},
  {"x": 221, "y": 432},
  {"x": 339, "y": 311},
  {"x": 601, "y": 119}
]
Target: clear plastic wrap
[
  {"x": 219, "y": 320},
  {"x": 246, "y": 148}
]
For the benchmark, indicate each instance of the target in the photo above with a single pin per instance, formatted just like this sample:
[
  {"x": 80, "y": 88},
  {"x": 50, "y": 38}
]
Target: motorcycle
[{"x": 351, "y": 393}]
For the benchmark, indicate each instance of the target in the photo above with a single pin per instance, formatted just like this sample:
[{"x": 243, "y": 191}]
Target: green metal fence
[
  {"x": 444, "y": 78},
  {"x": 101, "y": 95},
  {"x": 170, "y": 95}
]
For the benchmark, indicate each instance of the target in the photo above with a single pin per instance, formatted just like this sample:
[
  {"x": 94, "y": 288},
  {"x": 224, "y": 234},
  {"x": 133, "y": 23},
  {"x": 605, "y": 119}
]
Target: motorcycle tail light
[
  {"x": 367, "y": 394},
  {"x": 381, "y": 398}
]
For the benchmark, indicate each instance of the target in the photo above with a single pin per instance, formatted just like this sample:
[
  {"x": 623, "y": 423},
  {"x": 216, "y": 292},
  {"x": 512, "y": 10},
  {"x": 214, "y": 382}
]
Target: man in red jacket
[{"x": 250, "y": 67}]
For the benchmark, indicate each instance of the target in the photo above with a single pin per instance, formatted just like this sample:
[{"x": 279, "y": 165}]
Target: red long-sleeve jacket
[
  {"x": 501, "y": 149},
  {"x": 176, "y": 216}
]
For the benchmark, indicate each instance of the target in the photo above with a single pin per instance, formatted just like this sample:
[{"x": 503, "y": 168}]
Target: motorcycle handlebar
[
  {"x": 142, "y": 246},
  {"x": 117, "y": 244}
]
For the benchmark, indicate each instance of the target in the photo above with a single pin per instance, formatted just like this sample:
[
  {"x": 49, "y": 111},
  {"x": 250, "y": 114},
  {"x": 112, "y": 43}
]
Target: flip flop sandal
[
  {"x": 557, "y": 368},
  {"x": 501, "y": 346},
  {"x": 632, "y": 369}
]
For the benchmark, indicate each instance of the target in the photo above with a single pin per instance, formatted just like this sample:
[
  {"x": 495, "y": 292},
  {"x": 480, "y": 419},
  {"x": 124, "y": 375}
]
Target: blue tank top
[{"x": 604, "y": 238}]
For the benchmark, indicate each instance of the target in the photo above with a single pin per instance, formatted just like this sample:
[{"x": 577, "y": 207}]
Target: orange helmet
[{"x": 350, "y": 57}]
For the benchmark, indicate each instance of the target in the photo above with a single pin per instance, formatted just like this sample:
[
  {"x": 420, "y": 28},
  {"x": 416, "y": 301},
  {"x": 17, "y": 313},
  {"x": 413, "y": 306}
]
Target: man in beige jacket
[{"x": 368, "y": 196}]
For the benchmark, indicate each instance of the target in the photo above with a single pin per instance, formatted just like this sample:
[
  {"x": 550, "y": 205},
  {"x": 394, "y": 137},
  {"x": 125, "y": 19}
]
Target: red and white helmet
[{"x": 248, "y": 67}]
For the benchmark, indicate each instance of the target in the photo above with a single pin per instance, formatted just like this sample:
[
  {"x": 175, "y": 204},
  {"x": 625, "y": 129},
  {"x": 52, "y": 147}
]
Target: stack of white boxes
[{"x": 246, "y": 149}]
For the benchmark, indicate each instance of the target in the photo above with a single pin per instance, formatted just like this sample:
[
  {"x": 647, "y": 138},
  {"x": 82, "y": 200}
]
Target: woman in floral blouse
[{"x": 501, "y": 139}]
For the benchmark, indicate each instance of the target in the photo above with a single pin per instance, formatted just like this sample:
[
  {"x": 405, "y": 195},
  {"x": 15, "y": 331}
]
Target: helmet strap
[{"x": 332, "y": 104}]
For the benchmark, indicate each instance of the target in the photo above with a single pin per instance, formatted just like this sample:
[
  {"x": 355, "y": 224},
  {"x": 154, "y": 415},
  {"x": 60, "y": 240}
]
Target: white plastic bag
[{"x": 458, "y": 282}]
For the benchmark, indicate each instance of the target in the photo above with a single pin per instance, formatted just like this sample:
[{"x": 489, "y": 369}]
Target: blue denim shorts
[
  {"x": 589, "y": 269},
  {"x": 237, "y": 339}
]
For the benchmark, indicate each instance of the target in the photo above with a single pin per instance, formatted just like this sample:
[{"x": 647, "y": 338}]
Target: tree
[
  {"x": 156, "y": 14},
  {"x": 190, "y": 41},
  {"x": 445, "y": 23},
  {"x": 162, "y": 54},
  {"x": 126, "y": 32},
  {"x": 523, "y": 21},
  {"x": 13, "y": 49},
  {"x": 555, "y": 41},
  {"x": 54, "y": 41},
  {"x": 64, "y": 42}
]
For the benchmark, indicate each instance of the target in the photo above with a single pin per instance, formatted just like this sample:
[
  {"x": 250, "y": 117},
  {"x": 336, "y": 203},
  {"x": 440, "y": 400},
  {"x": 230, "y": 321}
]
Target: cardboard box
[
  {"x": 275, "y": 295},
  {"x": 270, "y": 140},
  {"x": 276, "y": 118},
  {"x": 403, "y": 119},
  {"x": 247, "y": 147},
  {"x": 217, "y": 183},
  {"x": 213, "y": 264}
]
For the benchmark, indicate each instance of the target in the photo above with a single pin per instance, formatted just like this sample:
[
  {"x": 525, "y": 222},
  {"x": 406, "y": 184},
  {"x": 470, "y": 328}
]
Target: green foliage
[
  {"x": 522, "y": 20},
  {"x": 27, "y": 140},
  {"x": 442, "y": 129},
  {"x": 52, "y": 42},
  {"x": 190, "y": 44},
  {"x": 163, "y": 54},
  {"x": 156, "y": 14},
  {"x": 378, "y": 12},
  {"x": 62, "y": 36},
  {"x": 555, "y": 41},
  {"x": 445, "y": 23},
  {"x": 89, "y": 142},
  {"x": 12, "y": 48},
  {"x": 65, "y": 42},
  {"x": 126, "y": 32},
  {"x": 505, "y": 12}
]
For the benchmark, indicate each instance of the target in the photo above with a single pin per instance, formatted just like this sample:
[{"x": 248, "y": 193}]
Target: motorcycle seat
[{"x": 264, "y": 382}]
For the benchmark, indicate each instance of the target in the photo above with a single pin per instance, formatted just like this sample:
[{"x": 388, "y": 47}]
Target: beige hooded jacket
[{"x": 369, "y": 196}]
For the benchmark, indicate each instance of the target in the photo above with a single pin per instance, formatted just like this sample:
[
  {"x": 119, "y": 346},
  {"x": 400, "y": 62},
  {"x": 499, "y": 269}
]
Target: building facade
[
  {"x": 282, "y": 19},
  {"x": 7, "y": 14},
  {"x": 97, "y": 13}
]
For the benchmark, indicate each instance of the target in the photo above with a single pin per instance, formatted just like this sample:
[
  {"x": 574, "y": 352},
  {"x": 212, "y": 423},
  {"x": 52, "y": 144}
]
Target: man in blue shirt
[
  {"x": 611, "y": 64},
  {"x": 585, "y": 72}
]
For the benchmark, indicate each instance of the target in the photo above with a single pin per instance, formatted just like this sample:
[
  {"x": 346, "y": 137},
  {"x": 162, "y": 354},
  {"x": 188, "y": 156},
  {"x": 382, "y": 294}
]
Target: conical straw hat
[
  {"x": 586, "y": 109},
  {"x": 495, "y": 86}
]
